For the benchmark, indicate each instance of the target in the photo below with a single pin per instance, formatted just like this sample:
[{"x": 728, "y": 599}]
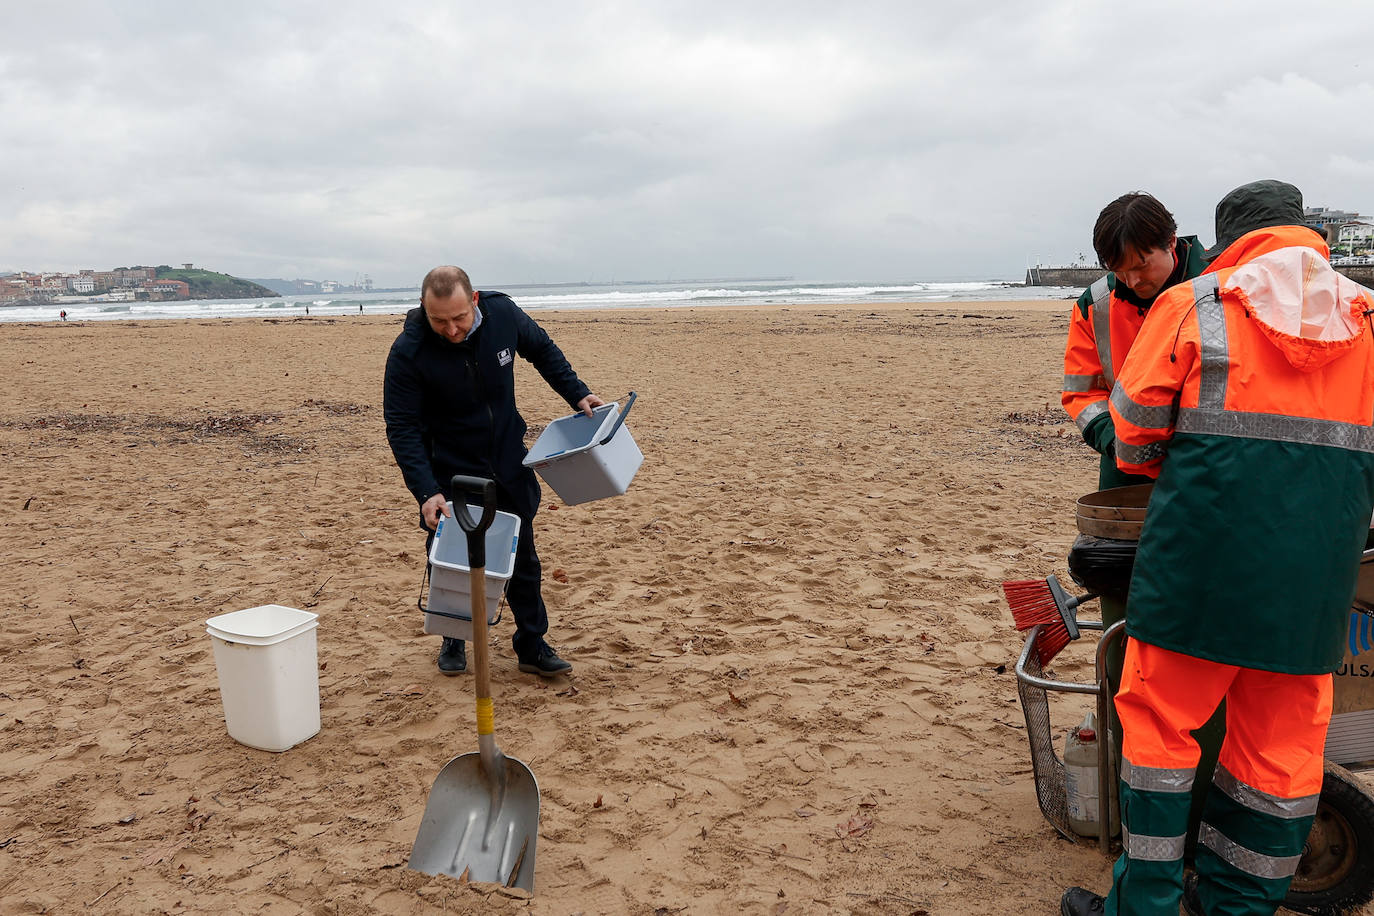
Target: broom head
[{"x": 1043, "y": 602}]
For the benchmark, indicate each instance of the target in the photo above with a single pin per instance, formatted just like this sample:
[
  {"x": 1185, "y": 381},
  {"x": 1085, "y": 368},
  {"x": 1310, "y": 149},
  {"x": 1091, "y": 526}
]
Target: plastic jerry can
[{"x": 1080, "y": 780}]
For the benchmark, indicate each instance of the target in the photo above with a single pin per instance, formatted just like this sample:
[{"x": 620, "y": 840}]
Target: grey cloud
[{"x": 565, "y": 141}]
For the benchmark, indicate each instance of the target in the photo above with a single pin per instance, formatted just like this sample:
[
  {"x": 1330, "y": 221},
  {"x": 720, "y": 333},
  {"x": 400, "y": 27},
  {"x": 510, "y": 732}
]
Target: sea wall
[
  {"x": 1082, "y": 277},
  {"x": 1363, "y": 274}
]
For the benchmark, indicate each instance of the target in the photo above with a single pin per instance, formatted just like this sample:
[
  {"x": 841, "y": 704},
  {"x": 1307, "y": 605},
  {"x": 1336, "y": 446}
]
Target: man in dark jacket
[{"x": 449, "y": 403}]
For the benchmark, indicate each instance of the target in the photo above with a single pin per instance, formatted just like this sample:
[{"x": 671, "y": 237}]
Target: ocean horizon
[{"x": 550, "y": 297}]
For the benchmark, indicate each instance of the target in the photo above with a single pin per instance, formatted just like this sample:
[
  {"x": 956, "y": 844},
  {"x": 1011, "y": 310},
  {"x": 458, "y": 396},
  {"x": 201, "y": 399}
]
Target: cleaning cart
[{"x": 1336, "y": 872}]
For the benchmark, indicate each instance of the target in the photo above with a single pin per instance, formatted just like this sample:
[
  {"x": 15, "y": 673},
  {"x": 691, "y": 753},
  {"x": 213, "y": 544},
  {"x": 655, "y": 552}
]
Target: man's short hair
[
  {"x": 1131, "y": 223},
  {"x": 442, "y": 282}
]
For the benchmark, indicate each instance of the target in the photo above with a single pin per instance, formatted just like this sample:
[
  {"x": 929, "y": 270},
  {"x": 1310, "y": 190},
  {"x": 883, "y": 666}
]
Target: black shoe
[
  {"x": 1078, "y": 902},
  {"x": 544, "y": 662},
  {"x": 1192, "y": 903},
  {"x": 453, "y": 656}
]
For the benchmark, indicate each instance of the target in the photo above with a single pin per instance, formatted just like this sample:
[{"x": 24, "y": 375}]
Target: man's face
[
  {"x": 1146, "y": 272},
  {"x": 451, "y": 317}
]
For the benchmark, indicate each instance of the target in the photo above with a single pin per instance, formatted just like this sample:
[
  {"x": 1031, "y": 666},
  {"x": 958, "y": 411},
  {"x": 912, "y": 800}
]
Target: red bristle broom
[{"x": 1044, "y": 601}]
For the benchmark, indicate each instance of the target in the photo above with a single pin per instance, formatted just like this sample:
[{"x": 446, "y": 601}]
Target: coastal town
[
  {"x": 154, "y": 284},
  {"x": 123, "y": 284}
]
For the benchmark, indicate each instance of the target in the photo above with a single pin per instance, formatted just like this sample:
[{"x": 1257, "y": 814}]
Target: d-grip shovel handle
[
  {"x": 484, "y": 491},
  {"x": 620, "y": 420}
]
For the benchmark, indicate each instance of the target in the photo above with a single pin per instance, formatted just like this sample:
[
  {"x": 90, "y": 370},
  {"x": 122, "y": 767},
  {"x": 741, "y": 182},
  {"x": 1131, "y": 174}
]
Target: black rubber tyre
[{"x": 1336, "y": 873}]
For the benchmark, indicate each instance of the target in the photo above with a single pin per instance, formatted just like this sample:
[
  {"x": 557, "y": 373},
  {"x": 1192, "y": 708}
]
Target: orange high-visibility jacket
[
  {"x": 1102, "y": 328},
  {"x": 1250, "y": 393}
]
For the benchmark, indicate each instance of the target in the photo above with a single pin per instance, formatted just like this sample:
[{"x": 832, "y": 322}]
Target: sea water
[{"x": 541, "y": 297}]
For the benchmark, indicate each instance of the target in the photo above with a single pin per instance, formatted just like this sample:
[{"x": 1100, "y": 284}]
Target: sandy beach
[{"x": 793, "y": 689}]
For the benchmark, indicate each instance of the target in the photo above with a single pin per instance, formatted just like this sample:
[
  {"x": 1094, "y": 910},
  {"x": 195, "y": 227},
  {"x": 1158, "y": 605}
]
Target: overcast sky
[{"x": 544, "y": 142}]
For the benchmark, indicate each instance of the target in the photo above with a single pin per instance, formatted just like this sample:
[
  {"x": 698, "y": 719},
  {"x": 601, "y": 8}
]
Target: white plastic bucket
[
  {"x": 269, "y": 679},
  {"x": 449, "y": 609},
  {"x": 584, "y": 458}
]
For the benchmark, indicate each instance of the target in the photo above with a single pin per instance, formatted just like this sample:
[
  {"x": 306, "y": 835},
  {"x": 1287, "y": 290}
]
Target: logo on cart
[
  {"x": 504, "y": 357},
  {"x": 1361, "y": 633}
]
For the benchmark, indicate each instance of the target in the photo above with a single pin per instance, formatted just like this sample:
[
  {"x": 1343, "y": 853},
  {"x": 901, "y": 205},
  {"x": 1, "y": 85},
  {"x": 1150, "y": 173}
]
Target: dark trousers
[
  {"x": 523, "y": 591},
  {"x": 524, "y": 595}
]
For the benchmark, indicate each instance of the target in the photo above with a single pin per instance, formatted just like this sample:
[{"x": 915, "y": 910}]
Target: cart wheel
[{"x": 1336, "y": 872}]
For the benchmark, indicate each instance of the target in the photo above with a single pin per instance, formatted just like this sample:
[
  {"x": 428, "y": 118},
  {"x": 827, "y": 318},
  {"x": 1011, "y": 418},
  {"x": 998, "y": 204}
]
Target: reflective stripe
[
  {"x": 1102, "y": 328},
  {"x": 1246, "y": 860},
  {"x": 1146, "y": 416},
  {"x": 1275, "y": 428},
  {"x": 1140, "y": 454},
  {"x": 1153, "y": 848},
  {"x": 1211, "y": 329},
  {"x": 1090, "y": 413},
  {"x": 1080, "y": 382},
  {"x": 1157, "y": 779},
  {"x": 1263, "y": 802}
]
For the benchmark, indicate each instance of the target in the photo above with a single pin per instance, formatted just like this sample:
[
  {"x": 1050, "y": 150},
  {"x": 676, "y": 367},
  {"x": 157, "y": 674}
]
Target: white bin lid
[{"x": 261, "y": 626}]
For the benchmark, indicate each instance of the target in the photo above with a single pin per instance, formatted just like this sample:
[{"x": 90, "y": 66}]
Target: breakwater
[
  {"x": 1062, "y": 276},
  {"x": 1082, "y": 277}
]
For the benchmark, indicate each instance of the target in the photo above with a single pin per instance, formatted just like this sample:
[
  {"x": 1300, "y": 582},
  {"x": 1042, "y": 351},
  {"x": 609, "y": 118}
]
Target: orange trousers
[
  {"x": 1275, "y": 723},
  {"x": 1259, "y": 807}
]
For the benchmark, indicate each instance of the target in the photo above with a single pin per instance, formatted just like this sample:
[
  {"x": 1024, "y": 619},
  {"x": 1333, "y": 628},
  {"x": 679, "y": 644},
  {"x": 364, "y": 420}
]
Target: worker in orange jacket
[
  {"x": 1137, "y": 240},
  {"x": 1249, "y": 394}
]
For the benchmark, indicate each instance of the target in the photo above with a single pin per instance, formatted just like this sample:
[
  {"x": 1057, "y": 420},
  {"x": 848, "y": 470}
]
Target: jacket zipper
[{"x": 476, "y": 377}]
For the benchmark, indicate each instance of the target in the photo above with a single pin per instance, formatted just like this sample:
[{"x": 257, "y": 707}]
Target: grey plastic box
[
  {"x": 449, "y": 610},
  {"x": 574, "y": 461}
]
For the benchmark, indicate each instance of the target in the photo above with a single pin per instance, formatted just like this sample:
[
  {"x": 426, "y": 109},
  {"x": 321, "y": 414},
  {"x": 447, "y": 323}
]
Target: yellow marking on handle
[{"x": 486, "y": 719}]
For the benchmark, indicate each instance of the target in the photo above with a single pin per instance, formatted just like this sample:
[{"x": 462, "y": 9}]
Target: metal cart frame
[{"x": 1033, "y": 687}]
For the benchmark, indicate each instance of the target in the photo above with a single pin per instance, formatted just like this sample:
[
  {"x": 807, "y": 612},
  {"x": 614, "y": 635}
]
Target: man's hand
[
  {"x": 434, "y": 508},
  {"x": 586, "y": 404}
]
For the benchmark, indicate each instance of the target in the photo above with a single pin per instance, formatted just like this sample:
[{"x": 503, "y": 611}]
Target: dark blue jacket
[{"x": 450, "y": 408}]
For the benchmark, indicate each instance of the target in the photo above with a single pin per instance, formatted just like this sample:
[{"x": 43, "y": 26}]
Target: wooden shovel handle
[
  {"x": 481, "y": 661},
  {"x": 483, "y": 490}
]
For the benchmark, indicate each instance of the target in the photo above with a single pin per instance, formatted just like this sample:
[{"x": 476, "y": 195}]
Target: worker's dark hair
[
  {"x": 442, "y": 282},
  {"x": 1132, "y": 222}
]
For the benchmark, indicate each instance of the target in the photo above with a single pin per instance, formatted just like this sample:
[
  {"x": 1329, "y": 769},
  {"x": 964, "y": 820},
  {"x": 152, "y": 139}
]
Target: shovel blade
[{"x": 474, "y": 825}]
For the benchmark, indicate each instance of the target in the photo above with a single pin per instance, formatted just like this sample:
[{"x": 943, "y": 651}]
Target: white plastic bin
[
  {"x": 573, "y": 459},
  {"x": 269, "y": 680},
  {"x": 449, "y": 610}
]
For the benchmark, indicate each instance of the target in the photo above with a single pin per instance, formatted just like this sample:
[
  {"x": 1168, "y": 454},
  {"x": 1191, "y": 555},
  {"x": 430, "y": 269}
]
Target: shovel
[{"x": 482, "y": 818}]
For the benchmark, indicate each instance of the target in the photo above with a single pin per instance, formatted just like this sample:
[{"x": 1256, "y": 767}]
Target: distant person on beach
[
  {"x": 63, "y": 314},
  {"x": 449, "y": 405},
  {"x": 1137, "y": 240},
  {"x": 1249, "y": 395}
]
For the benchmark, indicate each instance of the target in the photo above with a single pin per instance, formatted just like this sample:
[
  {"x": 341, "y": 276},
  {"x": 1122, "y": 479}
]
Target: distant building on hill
[
  {"x": 1328, "y": 222},
  {"x": 169, "y": 289},
  {"x": 1356, "y": 238}
]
